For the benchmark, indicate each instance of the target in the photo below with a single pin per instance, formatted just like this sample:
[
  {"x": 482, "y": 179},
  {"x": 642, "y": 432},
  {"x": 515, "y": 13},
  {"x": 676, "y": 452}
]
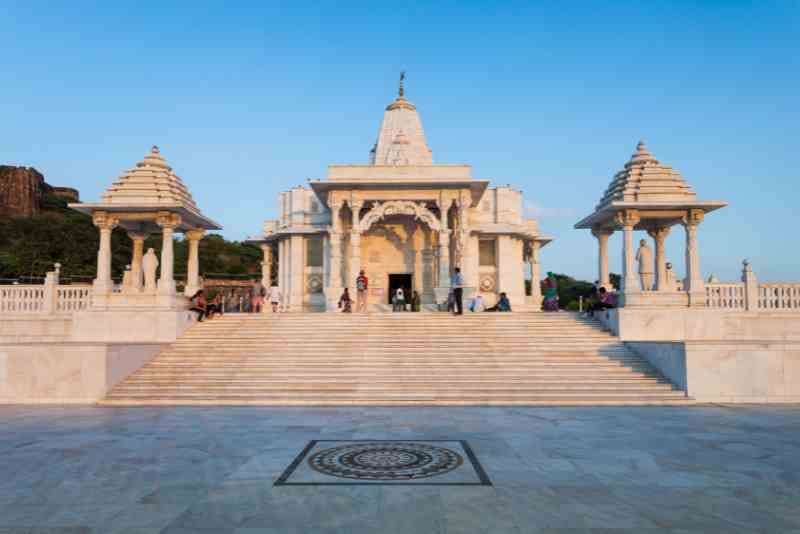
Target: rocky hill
[{"x": 23, "y": 191}]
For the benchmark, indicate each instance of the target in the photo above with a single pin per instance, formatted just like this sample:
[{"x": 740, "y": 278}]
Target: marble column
[
  {"x": 335, "y": 262},
  {"x": 444, "y": 258},
  {"x": 282, "y": 273},
  {"x": 105, "y": 224},
  {"x": 659, "y": 235},
  {"x": 602, "y": 256},
  {"x": 297, "y": 266},
  {"x": 266, "y": 265},
  {"x": 536, "y": 274},
  {"x": 193, "y": 263},
  {"x": 166, "y": 280},
  {"x": 137, "y": 275},
  {"x": 693, "y": 284},
  {"x": 630, "y": 280},
  {"x": 355, "y": 245},
  {"x": 335, "y": 251}
]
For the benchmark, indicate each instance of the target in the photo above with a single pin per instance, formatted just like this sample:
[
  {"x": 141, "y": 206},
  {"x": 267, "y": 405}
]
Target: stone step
[
  {"x": 268, "y": 362},
  {"x": 397, "y": 359},
  {"x": 433, "y": 395},
  {"x": 465, "y": 388},
  {"x": 378, "y": 401}
]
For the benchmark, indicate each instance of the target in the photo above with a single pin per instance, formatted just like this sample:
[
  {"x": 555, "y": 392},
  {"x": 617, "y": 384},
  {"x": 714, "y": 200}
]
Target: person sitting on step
[
  {"x": 199, "y": 304},
  {"x": 605, "y": 300},
  {"x": 503, "y": 304},
  {"x": 345, "y": 303}
]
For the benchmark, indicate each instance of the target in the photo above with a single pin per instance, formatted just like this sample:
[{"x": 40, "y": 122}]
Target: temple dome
[
  {"x": 401, "y": 126},
  {"x": 151, "y": 182},
  {"x": 644, "y": 179}
]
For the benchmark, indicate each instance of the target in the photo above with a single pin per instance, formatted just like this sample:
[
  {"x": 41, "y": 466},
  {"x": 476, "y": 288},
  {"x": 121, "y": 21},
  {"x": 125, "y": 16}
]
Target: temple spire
[{"x": 401, "y": 140}]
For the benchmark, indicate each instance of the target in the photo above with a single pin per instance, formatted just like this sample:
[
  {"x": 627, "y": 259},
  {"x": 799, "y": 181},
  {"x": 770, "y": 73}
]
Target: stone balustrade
[
  {"x": 22, "y": 299},
  {"x": 46, "y": 299},
  {"x": 729, "y": 296},
  {"x": 30, "y": 299},
  {"x": 749, "y": 295},
  {"x": 779, "y": 296},
  {"x": 73, "y": 298}
]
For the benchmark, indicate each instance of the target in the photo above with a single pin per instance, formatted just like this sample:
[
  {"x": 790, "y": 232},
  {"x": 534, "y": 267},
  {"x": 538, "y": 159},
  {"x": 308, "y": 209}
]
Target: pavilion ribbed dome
[
  {"x": 151, "y": 182},
  {"x": 645, "y": 179}
]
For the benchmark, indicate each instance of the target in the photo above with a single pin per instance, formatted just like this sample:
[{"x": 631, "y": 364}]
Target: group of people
[
  {"x": 455, "y": 298},
  {"x": 252, "y": 301},
  {"x": 258, "y": 296}
]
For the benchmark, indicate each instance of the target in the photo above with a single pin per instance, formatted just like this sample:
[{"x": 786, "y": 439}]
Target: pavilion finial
[
  {"x": 642, "y": 146},
  {"x": 402, "y": 91},
  {"x": 155, "y": 150}
]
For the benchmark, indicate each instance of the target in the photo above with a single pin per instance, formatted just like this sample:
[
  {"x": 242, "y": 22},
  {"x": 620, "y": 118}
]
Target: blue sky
[{"x": 247, "y": 99}]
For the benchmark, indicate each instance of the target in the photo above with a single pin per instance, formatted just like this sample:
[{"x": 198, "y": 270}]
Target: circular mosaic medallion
[
  {"x": 487, "y": 283},
  {"x": 385, "y": 461}
]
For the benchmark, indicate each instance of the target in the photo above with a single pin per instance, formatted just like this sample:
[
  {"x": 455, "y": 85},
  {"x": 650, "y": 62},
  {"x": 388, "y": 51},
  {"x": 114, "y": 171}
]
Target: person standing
[
  {"x": 362, "y": 285},
  {"x": 399, "y": 300},
  {"x": 274, "y": 296},
  {"x": 457, "y": 283},
  {"x": 414, "y": 301},
  {"x": 257, "y": 297},
  {"x": 550, "y": 285}
]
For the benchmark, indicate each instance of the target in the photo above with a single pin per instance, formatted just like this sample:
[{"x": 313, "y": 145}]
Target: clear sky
[{"x": 247, "y": 99}]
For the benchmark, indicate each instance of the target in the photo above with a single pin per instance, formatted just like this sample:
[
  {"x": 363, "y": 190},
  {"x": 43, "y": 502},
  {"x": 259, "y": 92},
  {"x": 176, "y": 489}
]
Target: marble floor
[{"x": 211, "y": 470}]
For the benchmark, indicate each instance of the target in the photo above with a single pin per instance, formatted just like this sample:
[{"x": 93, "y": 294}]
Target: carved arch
[{"x": 399, "y": 207}]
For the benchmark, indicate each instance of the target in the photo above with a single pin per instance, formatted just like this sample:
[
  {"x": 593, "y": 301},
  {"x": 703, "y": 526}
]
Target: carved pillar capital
[
  {"x": 627, "y": 218},
  {"x": 167, "y": 220},
  {"x": 195, "y": 234},
  {"x": 659, "y": 234},
  {"x": 693, "y": 217},
  {"x": 602, "y": 233},
  {"x": 137, "y": 236},
  {"x": 104, "y": 220}
]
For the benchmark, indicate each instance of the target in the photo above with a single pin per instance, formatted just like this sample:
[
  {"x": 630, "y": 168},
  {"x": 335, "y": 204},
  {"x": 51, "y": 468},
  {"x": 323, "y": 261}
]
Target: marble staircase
[{"x": 397, "y": 359}]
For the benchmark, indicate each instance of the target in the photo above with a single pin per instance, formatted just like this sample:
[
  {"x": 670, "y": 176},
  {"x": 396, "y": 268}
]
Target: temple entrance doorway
[{"x": 400, "y": 280}]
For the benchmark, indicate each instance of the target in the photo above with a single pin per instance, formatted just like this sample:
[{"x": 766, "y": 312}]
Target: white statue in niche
[
  {"x": 149, "y": 266},
  {"x": 645, "y": 257}
]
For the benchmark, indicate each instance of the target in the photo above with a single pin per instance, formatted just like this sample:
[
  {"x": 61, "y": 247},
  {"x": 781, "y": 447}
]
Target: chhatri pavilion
[{"x": 407, "y": 222}]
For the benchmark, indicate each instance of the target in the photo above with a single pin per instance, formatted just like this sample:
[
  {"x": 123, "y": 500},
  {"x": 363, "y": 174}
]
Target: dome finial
[
  {"x": 641, "y": 147},
  {"x": 401, "y": 92},
  {"x": 155, "y": 150}
]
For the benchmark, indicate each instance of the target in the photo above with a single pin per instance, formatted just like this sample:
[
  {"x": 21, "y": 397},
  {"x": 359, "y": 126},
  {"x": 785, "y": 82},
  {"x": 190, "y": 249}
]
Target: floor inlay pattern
[{"x": 384, "y": 461}]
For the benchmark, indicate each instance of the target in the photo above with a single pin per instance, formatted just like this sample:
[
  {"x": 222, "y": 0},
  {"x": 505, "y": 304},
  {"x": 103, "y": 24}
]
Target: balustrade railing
[
  {"x": 729, "y": 296},
  {"x": 48, "y": 298},
  {"x": 751, "y": 296},
  {"x": 22, "y": 299},
  {"x": 779, "y": 296},
  {"x": 73, "y": 298}
]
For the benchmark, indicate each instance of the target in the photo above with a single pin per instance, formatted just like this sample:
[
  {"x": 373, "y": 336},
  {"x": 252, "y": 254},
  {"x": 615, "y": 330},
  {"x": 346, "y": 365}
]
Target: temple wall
[{"x": 499, "y": 205}]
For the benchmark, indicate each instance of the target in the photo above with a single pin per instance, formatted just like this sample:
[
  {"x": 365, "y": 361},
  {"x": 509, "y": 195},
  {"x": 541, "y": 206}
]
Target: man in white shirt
[{"x": 274, "y": 296}]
